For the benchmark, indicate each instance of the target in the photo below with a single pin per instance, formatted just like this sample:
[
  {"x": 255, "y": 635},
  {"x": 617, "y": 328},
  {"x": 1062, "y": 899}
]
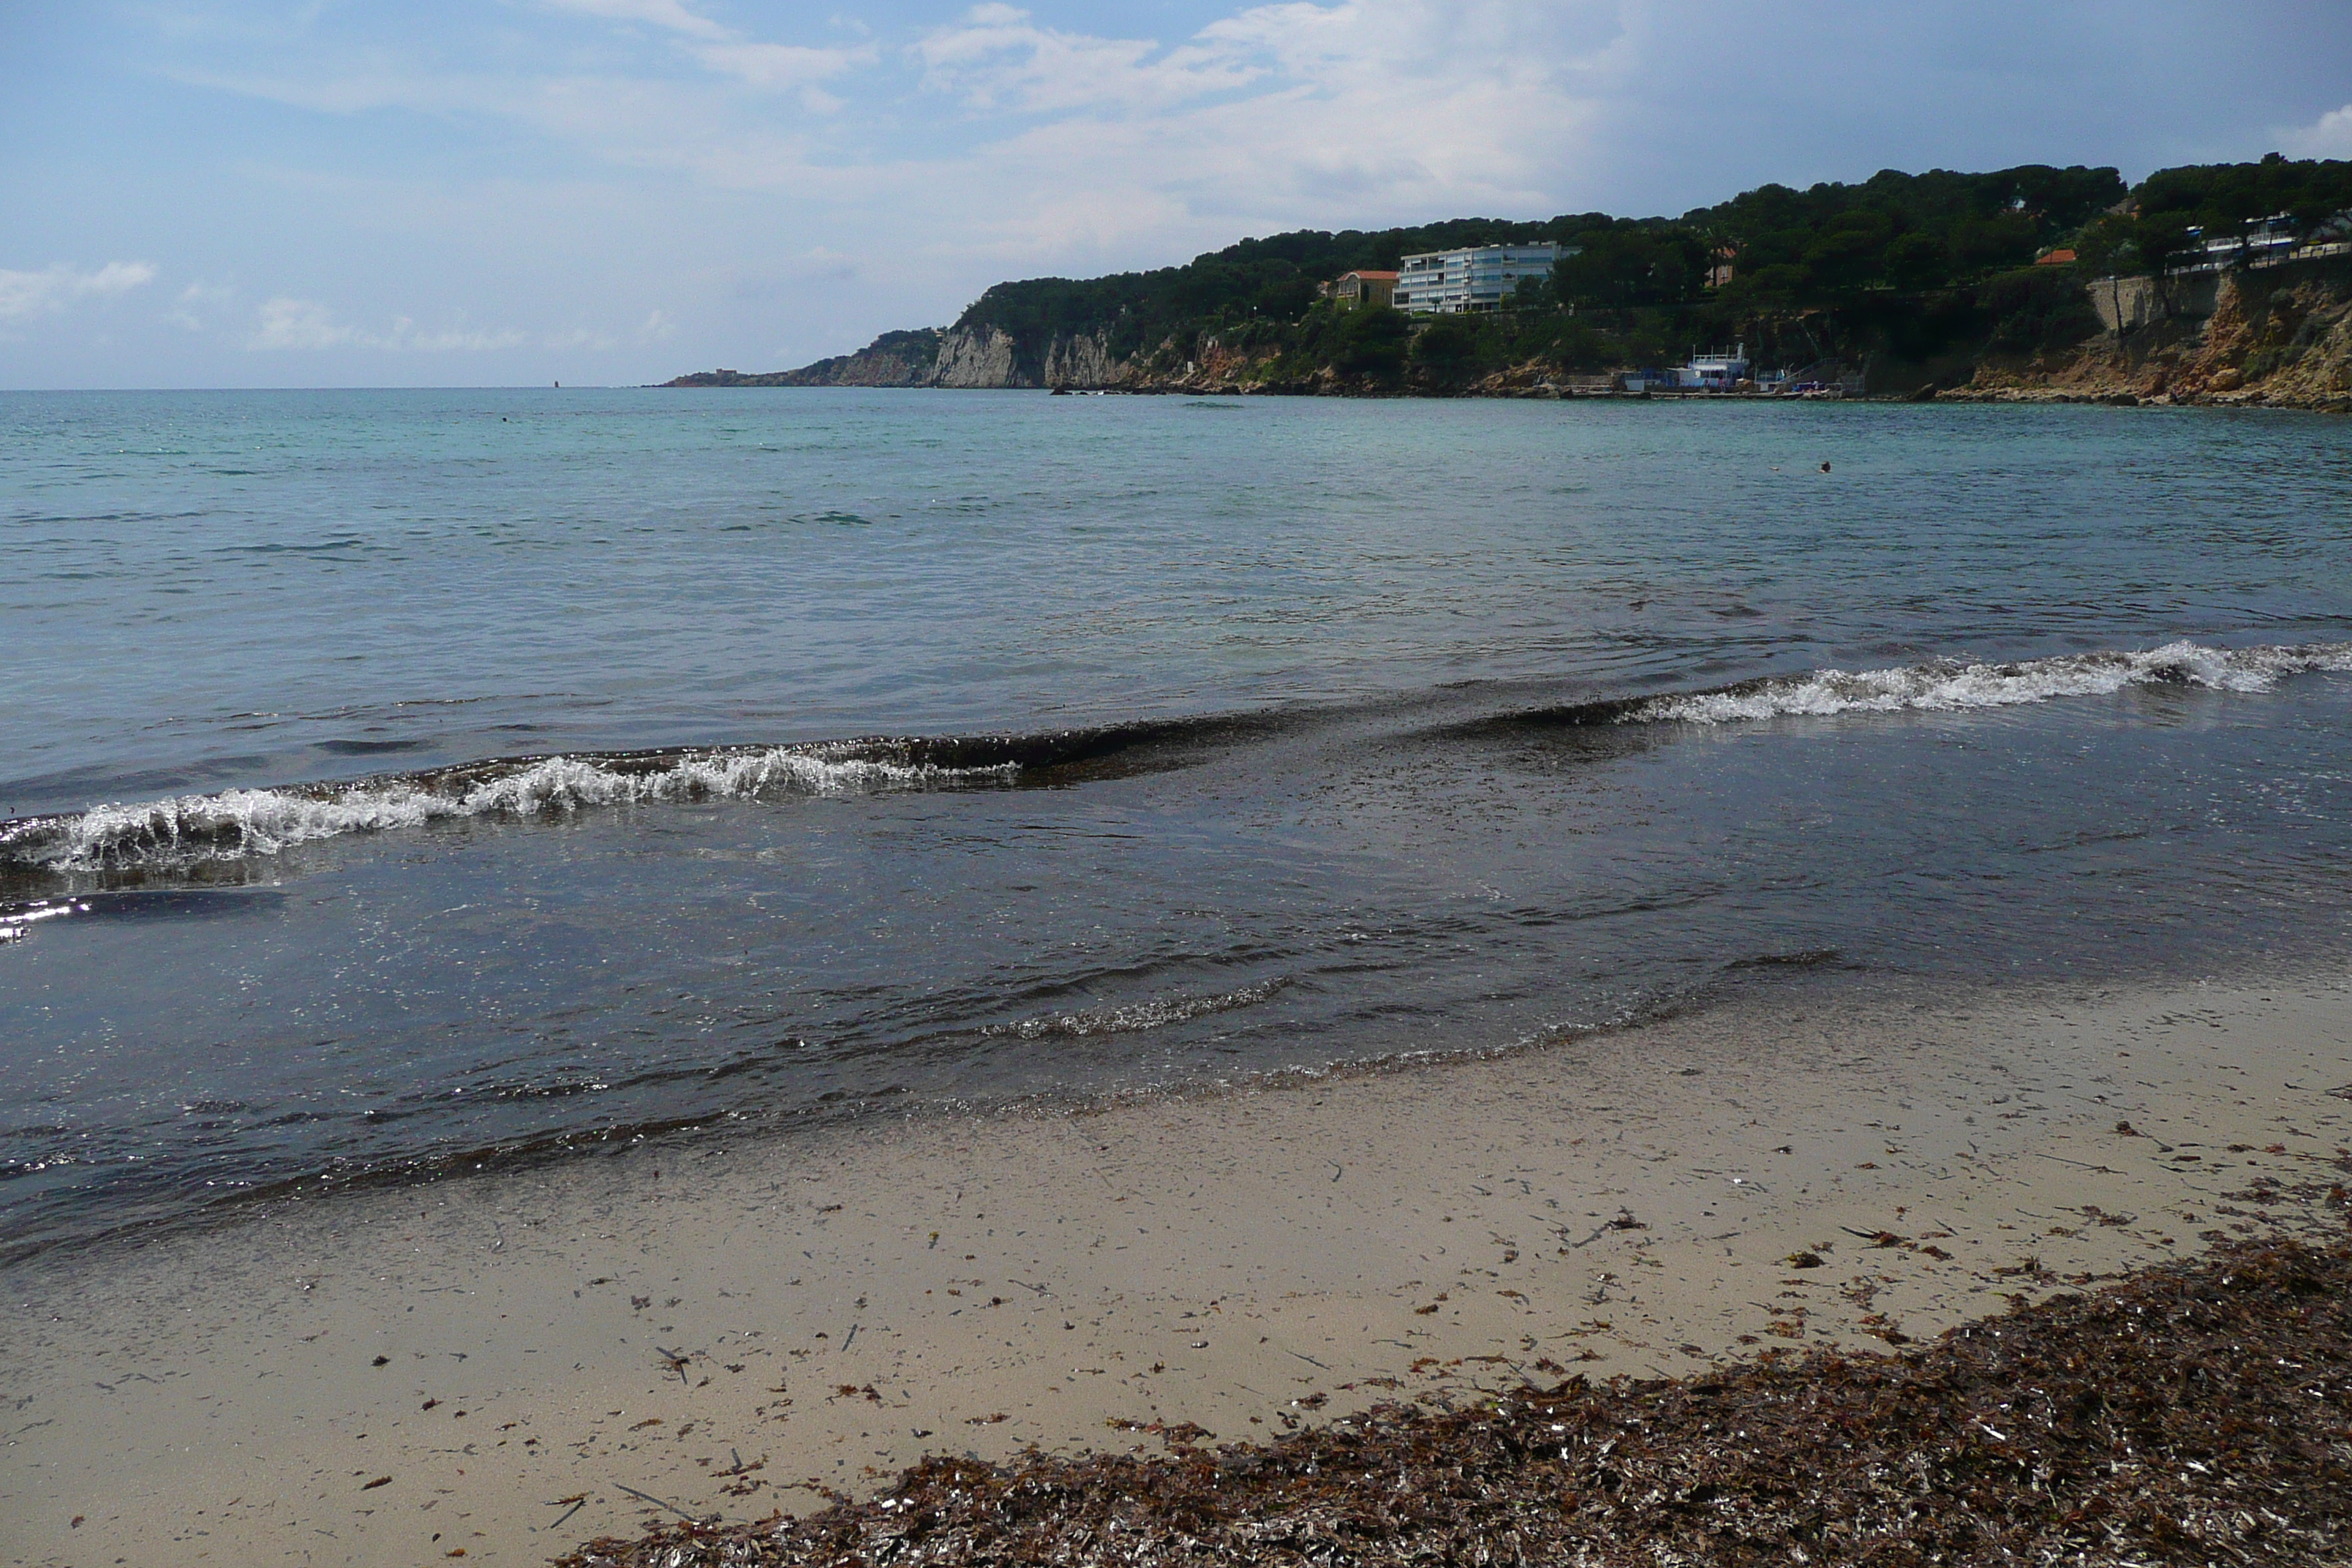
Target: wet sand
[{"x": 724, "y": 1328}]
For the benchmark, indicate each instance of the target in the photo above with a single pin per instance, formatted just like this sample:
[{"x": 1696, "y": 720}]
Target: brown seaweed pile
[{"x": 2195, "y": 1412}]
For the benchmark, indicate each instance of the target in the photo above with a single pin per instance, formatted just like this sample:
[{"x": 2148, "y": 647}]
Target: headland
[{"x": 2224, "y": 284}]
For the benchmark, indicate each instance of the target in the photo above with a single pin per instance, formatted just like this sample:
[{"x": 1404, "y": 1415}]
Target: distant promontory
[{"x": 2210, "y": 283}]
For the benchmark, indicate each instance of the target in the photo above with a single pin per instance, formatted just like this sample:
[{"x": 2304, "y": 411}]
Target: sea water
[{"x": 398, "y": 782}]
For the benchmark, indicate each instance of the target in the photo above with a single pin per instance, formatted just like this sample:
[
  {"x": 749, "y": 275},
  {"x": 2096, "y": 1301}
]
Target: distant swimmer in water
[{"x": 1825, "y": 467}]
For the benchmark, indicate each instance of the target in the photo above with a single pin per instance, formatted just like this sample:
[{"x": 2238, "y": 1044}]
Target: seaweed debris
[{"x": 2197, "y": 1412}]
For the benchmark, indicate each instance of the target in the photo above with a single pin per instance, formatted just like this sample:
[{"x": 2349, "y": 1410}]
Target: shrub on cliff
[
  {"x": 1369, "y": 341},
  {"x": 1447, "y": 348},
  {"x": 2039, "y": 310}
]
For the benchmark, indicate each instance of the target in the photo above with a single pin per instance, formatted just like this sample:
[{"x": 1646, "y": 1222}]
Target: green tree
[
  {"x": 1370, "y": 341},
  {"x": 1850, "y": 252},
  {"x": 2165, "y": 244},
  {"x": 1448, "y": 347},
  {"x": 2108, "y": 244},
  {"x": 1917, "y": 261}
]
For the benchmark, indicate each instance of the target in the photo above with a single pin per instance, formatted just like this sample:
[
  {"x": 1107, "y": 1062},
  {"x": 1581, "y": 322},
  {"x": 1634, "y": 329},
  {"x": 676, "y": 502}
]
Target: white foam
[
  {"x": 1137, "y": 1016},
  {"x": 236, "y": 824},
  {"x": 1948, "y": 684}
]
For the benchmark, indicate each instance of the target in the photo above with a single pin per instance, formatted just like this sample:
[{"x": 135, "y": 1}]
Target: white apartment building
[{"x": 1480, "y": 277}]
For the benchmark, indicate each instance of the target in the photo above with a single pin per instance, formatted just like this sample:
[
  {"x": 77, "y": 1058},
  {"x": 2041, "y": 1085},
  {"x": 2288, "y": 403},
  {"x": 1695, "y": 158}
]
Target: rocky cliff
[
  {"x": 894, "y": 359},
  {"x": 2279, "y": 336},
  {"x": 978, "y": 357},
  {"x": 965, "y": 357}
]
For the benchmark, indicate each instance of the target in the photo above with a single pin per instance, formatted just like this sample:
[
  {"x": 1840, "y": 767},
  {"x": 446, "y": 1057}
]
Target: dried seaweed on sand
[{"x": 2196, "y": 1412}]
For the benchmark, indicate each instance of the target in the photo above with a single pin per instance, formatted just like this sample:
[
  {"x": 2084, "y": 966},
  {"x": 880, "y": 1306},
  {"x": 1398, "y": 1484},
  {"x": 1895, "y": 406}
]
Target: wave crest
[
  {"x": 239, "y": 823},
  {"x": 189, "y": 830},
  {"x": 1943, "y": 685}
]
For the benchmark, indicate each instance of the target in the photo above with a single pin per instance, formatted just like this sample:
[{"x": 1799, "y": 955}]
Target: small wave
[
  {"x": 1943, "y": 685},
  {"x": 18, "y": 920},
  {"x": 1137, "y": 1016},
  {"x": 193, "y": 830},
  {"x": 234, "y": 824}
]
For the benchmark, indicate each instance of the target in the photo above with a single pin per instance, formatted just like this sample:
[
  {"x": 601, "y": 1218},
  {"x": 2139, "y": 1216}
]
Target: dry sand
[{"x": 725, "y": 1326}]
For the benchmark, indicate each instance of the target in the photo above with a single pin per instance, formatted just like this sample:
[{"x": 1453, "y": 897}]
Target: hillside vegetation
[{"x": 1925, "y": 277}]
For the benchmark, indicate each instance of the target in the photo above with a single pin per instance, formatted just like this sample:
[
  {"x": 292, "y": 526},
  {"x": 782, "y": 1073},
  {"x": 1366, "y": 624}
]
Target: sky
[{"x": 266, "y": 193}]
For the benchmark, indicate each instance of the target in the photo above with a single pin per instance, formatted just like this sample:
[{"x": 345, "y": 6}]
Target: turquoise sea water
[{"x": 399, "y": 779}]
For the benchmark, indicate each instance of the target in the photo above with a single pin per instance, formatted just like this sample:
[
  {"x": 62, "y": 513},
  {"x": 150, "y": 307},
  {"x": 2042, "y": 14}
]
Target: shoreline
[
  {"x": 732, "y": 1327},
  {"x": 2036, "y": 394}
]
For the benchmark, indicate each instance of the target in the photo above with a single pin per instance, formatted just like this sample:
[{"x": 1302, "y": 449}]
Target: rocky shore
[{"x": 2276, "y": 337}]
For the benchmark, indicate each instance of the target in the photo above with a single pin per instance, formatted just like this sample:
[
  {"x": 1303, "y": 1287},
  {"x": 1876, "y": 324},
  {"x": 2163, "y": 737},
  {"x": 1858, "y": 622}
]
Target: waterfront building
[
  {"x": 1477, "y": 277},
  {"x": 1717, "y": 370},
  {"x": 1362, "y": 287},
  {"x": 2264, "y": 238}
]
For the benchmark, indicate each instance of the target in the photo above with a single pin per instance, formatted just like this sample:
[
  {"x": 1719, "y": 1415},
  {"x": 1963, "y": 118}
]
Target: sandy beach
[{"x": 502, "y": 1367}]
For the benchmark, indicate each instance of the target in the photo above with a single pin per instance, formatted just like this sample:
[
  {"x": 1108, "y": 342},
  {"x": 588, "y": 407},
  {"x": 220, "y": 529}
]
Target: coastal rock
[
  {"x": 978, "y": 357},
  {"x": 894, "y": 359},
  {"x": 2130, "y": 304},
  {"x": 2280, "y": 336},
  {"x": 1083, "y": 363}
]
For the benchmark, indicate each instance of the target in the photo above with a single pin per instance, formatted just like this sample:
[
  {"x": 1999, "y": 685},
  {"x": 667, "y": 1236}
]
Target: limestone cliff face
[
  {"x": 978, "y": 357},
  {"x": 1083, "y": 363},
  {"x": 963, "y": 357},
  {"x": 989, "y": 356},
  {"x": 873, "y": 368},
  {"x": 2280, "y": 336}
]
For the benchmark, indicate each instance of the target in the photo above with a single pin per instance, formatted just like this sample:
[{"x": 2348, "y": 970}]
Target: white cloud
[
  {"x": 2329, "y": 136},
  {"x": 288, "y": 323},
  {"x": 998, "y": 59},
  {"x": 670, "y": 14},
  {"x": 1378, "y": 101},
  {"x": 195, "y": 297},
  {"x": 1276, "y": 117},
  {"x": 451, "y": 340},
  {"x": 773, "y": 68},
  {"x": 305, "y": 325},
  {"x": 23, "y": 294},
  {"x": 778, "y": 67},
  {"x": 996, "y": 145}
]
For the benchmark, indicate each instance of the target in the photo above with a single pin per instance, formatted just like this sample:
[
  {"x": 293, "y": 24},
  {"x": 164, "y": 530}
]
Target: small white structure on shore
[{"x": 1719, "y": 370}]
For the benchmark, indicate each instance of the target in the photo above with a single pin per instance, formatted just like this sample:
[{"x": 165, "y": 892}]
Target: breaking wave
[
  {"x": 1942, "y": 685},
  {"x": 234, "y": 824},
  {"x": 191, "y": 829}
]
